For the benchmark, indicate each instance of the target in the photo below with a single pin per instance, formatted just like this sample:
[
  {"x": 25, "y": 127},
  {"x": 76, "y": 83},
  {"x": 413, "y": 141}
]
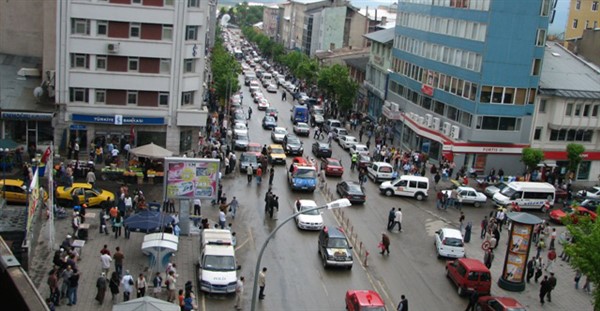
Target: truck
[
  {"x": 302, "y": 175},
  {"x": 217, "y": 266},
  {"x": 299, "y": 114}
]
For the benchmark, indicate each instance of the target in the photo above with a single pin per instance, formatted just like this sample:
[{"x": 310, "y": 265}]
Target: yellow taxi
[
  {"x": 276, "y": 154},
  {"x": 15, "y": 191},
  {"x": 92, "y": 196}
]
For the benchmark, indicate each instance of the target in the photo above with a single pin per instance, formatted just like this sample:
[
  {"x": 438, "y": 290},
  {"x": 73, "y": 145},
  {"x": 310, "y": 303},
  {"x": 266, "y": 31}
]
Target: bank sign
[{"x": 117, "y": 120}]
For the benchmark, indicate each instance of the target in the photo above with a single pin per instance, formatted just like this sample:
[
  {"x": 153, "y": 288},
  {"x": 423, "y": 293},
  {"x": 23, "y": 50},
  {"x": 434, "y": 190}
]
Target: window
[
  {"x": 595, "y": 111},
  {"x": 537, "y": 67},
  {"x": 193, "y": 3},
  {"x": 586, "y": 110},
  {"x": 100, "y": 96},
  {"x": 80, "y": 26},
  {"x": 546, "y": 7},
  {"x": 187, "y": 98},
  {"x": 541, "y": 37},
  {"x": 78, "y": 95},
  {"x": 465, "y": 118},
  {"x": 439, "y": 107},
  {"x": 165, "y": 65},
  {"x": 168, "y": 3},
  {"x": 508, "y": 124},
  {"x": 133, "y": 64},
  {"x": 542, "y": 107},
  {"x": 136, "y": 1},
  {"x": 578, "y": 4},
  {"x": 595, "y": 24},
  {"x": 191, "y": 32},
  {"x": 163, "y": 99},
  {"x": 584, "y": 170},
  {"x": 134, "y": 30},
  {"x": 587, "y": 24},
  {"x": 569, "y": 109},
  {"x": 490, "y": 123},
  {"x": 100, "y": 62},
  {"x": 575, "y": 22},
  {"x": 577, "y": 110},
  {"x": 188, "y": 65},
  {"x": 102, "y": 28},
  {"x": 132, "y": 97},
  {"x": 537, "y": 134},
  {"x": 79, "y": 61},
  {"x": 595, "y": 6},
  {"x": 167, "y": 32}
]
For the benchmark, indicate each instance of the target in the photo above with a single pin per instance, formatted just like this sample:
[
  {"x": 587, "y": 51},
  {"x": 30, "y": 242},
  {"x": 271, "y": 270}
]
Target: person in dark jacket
[
  {"x": 403, "y": 304},
  {"x": 113, "y": 284},
  {"x": 545, "y": 288},
  {"x": 385, "y": 244},
  {"x": 391, "y": 217},
  {"x": 101, "y": 284}
]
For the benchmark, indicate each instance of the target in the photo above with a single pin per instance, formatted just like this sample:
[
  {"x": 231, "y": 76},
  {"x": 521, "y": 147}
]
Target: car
[
  {"x": 494, "y": 303},
  {"x": 364, "y": 160},
  {"x": 364, "y": 300},
  {"x": 299, "y": 95},
  {"x": 239, "y": 116},
  {"x": 590, "y": 204},
  {"x": 318, "y": 119},
  {"x": 469, "y": 275},
  {"x": 334, "y": 248},
  {"x": 249, "y": 158},
  {"x": 269, "y": 123},
  {"x": 254, "y": 147},
  {"x": 277, "y": 134},
  {"x": 338, "y": 131},
  {"x": 240, "y": 141},
  {"x": 292, "y": 145},
  {"x": 250, "y": 76},
  {"x": 272, "y": 111},
  {"x": 240, "y": 128},
  {"x": 449, "y": 243},
  {"x": 590, "y": 193},
  {"x": 321, "y": 149},
  {"x": 576, "y": 212},
  {"x": 493, "y": 189},
  {"x": 346, "y": 141},
  {"x": 254, "y": 85},
  {"x": 236, "y": 99},
  {"x": 281, "y": 81},
  {"x": 86, "y": 193},
  {"x": 263, "y": 104},
  {"x": 272, "y": 88},
  {"x": 317, "y": 110},
  {"x": 330, "y": 124},
  {"x": 312, "y": 220},
  {"x": 359, "y": 148},
  {"x": 332, "y": 167},
  {"x": 351, "y": 190},
  {"x": 468, "y": 195},
  {"x": 301, "y": 128},
  {"x": 15, "y": 191},
  {"x": 276, "y": 154},
  {"x": 256, "y": 95}
]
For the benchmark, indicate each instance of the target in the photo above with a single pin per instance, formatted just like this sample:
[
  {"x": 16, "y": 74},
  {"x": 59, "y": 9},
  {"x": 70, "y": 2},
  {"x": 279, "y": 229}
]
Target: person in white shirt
[
  {"x": 127, "y": 283},
  {"x": 106, "y": 260},
  {"x": 398, "y": 219},
  {"x": 197, "y": 206},
  {"x": 115, "y": 155}
]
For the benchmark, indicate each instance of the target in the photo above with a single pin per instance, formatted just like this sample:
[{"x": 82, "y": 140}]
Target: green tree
[
  {"x": 585, "y": 252},
  {"x": 532, "y": 157},
  {"x": 574, "y": 152},
  {"x": 336, "y": 83},
  {"x": 225, "y": 70}
]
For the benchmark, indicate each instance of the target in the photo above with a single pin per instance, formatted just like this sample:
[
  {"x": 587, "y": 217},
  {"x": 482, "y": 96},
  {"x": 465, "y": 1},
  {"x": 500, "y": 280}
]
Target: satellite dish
[
  {"x": 38, "y": 92},
  {"x": 225, "y": 19}
]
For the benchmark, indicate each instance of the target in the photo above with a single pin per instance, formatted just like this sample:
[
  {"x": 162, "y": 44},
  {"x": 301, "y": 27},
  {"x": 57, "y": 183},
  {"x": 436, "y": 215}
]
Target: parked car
[
  {"x": 330, "y": 124},
  {"x": 240, "y": 128},
  {"x": 301, "y": 128},
  {"x": 334, "y": 248},
  {"x": 469, "y": 275},
  {"x": 321, "y": 149},
  {"x": 364, "y": 300},
  {"x": 559, "y": 215},
  {"x": 351, "y": 190},
  {"x": 292, "y": 145},
  {"x": 86, "y": 193},
  {"x": 312, "y": 220},
  {"x": 249, "y": 158},
  {"x": 241, "y": 141},
  {"x": 364, "y": 160},
  {"x": 590, "y": 193},
  {"x": 272, "y": 88},
  {"x": 278, "y": 134},
  {"x": 337, "y": 132},
  {"x": 263, "y": 104},
  {"x": 359, "y": 148},
  {"x": 268, "y": 123},
  {"x": 15, "y": 191},
  {"x": 272, "y": 111},
  {"x": 495, "y": 188},
  {"x": 494, "y": 303},
  {"x": 332, "y": 167},
  {"x": 347, "y": 141},
  {"x": 449, "y": 243},
  {"x": 468, "y": 195}
]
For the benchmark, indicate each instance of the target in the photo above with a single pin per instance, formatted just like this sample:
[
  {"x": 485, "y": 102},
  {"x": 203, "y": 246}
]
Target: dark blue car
[{"x": 268, "y": 123}]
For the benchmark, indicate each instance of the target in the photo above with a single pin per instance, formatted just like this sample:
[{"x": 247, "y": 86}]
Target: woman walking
[
  {"x": 101, "y": 285},
  {"x": 141, "y": 286},
  {"x": 114, "y": 286},
  {"x": 117, "y": 225}
]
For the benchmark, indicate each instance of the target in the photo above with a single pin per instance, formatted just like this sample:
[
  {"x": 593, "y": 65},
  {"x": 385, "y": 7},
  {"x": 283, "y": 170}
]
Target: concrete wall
[
  {"x": 589, "y": 46},
  {"x": 22, "y": 27}
]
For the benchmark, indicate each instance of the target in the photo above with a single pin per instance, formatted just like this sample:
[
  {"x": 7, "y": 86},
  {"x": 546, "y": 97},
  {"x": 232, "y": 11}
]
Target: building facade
[
  {"x": 131, "y": 71},
  {"x": 464, "y": 83},
  {"x": 583, "y": 14},
  {"x": 568, "y": 112},
  {"x": 271, "y": 21},
  {"x": 378, "y": 69}
]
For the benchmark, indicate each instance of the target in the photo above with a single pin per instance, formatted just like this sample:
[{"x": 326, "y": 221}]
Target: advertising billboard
[
  {"x": 518, "y": 248},
  {"x": 188, "y": 178}
]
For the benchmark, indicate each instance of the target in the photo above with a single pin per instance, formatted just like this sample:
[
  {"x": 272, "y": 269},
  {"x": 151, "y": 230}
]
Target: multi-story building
[
  {"x": 378, "y": 69},
  {"x": 271, "y": 21},
  {"x": 131, "y": 71},
  {"x": 465, "y": 83},
  {"x": 570, "y": 18},
  {"x": 568, "y": 112}
]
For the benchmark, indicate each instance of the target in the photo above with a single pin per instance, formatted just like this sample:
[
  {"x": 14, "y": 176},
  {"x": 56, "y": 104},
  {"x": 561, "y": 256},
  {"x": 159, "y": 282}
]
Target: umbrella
[
  {"x": 148, "y": 221},
  {"x": 8, "y": 143},
  {"x": 151, "y": 151},
  {"x": 146, "y": 303}
]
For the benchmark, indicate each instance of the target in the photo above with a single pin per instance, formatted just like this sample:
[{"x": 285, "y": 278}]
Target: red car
[
  {"x": 493, "y": 303},
  {"x": 364, "y": 300},
  {"x": 557, "y": 215},
  {"x": 332, "y": 167}
]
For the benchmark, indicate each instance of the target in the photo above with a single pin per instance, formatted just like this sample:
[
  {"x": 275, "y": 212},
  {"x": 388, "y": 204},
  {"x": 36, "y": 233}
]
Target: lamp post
[
  {"x": 4, "y": 152},
  {"x": 341, "y": 203}
]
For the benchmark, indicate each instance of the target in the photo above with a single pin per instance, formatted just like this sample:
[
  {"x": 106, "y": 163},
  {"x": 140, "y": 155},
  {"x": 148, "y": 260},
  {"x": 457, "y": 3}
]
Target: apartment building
[
  {"x": 271, "y": 21},
  {"x": 377, "y": 72},
  {"x": 131, "y": 71},
  {"x": 465, "y": 83},
  {"x": 569, "y": 19}
]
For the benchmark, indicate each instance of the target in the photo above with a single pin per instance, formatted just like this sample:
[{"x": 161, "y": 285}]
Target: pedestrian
[
  {"x": 403, "y": 304},
  {"x": 544, "y": 289},
  {"x": 551, "y": 259},
  {"x": 118, "y": 258},
  {"x": 552, "y": 238},
  {"x": 105, "y": 259},
  {"x": 180, "y": 300},
  {"x": 391, "y": 217},
  {"x": 171, "y": 286},
  {"x": 468, "y": 228},
  {"x": 239, "y": 292},
  {"x": 488, "y": 257},
  {"x": 484, "y": 224},
  {"x": 65, "y": 276},
  {"x": 222, "y": 219},
  {"x": 249, "y": 173},
  {"x": 271, "y": 174},
  {"x": 461, "y": 220},
  {"x": 259, "y": 175},
  {"x": 436, "y": 178},
  {"x": 72, "y": 289},
  {"x": 385, "y": 244},
  {"x": 551, "y": 286},
  {"x": 530, "y": 268},
  {"x": 262, "y": 282},
  {"x": 586, "y": 285},
  {"x": 141, "y": 285},
  {"x": 103, "y": 218},
  {"x": 53, "y": 285},
  {"x": 398, "y": 220},
  {"x": 157, "y": 284},
  {"x": 197, "y": 206},
  {"x": 233, "y": 206},
  {"x": 439, "y": 203},
  {"x": 577, "y": 278},
  {"x": 540, "y": 246},
  {"x": 127, "y": 282},
  {"x": 91, "y": 177},
  {"x": 117, "y": 225},
  {"x": 274, "y": 208},
  {"x": 101, "y": 285},
  {"x": 539, "y": 264},
  {"x": 113, "y": 284},
  {"x": 472, "y": 306}
]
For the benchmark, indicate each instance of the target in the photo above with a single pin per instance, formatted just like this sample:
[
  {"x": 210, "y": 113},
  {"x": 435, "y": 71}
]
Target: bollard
[
  {"x": 366, "y": 256},
  {"x": 360, "y": 247}
]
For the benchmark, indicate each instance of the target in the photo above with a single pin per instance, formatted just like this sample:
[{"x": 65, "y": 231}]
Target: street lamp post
[{"x": 341, "y": 203}]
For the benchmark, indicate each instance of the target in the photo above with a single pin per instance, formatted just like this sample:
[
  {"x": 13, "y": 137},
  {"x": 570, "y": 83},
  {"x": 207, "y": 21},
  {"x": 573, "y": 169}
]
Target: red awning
[{"x": 562, "y": 155}]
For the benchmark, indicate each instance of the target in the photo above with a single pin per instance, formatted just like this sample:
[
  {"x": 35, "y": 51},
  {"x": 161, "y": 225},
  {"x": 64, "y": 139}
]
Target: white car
[
  {"x": 337, "y": 132},
  {"x": 359, "y": 148},
  {"x": 302, "y": 128},
  {"x": 590, "y": 193},
  {"x": 272, "y": 88},
  {"x": 263, "y": 104},
  {"x": 278, "y": 134},
  {"x": 468, "y": 195},
  {"x": 312, "y": 220},
  {"x": 254, "y": 85},
  {"x": 449, "y": 243},
  {"x": 240, "y": 129},
  {"x": 346, "y": 141}
]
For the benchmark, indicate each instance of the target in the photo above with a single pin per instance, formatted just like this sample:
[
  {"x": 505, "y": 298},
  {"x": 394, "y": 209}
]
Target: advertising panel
[
  {"x": 188, "y": 178},
  {"x": 517, "y": 252}
]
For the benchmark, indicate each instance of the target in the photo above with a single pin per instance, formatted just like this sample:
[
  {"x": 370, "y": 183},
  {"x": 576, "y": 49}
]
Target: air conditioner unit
[
  {"x": 455, "y": 132},
  {"x": 428, "y": 120},
  {"x": 394, "y": 106},
  {"x": 112, "y": 47},
  {"x": 421, "y": 120},
  {"x": 446, "y": 128},
  {"x": 415, "y": 117},
  {"x": 411, "y": 115},
  {"x": 436, "y": 124}
]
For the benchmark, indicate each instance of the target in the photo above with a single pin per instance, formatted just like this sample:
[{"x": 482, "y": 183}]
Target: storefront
[
  {"x": 588, "y": 170},
  {"x": 375, "y": 105},
  {"x": 27, "y": 128}
]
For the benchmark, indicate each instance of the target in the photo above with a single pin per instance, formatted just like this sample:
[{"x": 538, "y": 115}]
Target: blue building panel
[{"x": 505, "y": 110}]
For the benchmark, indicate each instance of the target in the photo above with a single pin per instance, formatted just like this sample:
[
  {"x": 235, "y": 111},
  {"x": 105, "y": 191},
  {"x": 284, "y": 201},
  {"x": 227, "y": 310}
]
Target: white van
[
  {"x": 529, "y": 195},
  {"x": 408, "y": 186},
  {"x": 217, "y": 267},
  {"x": 379, "y": 171}
]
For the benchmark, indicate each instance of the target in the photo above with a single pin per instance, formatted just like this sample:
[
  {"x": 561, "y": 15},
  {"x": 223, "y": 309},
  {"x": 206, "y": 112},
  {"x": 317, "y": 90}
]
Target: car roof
[
  {"x": 12, "y": 182},
  {"x": 367, "y": 297},
  {"x": 334, "y": 232},
  {"x": 360, "y": 145},
  {"x": 451, "y": 233},
  {"x": 309, "y": 203},
  {"x": 322, "y": 143},
  {"x": 382, "y": 164},
  {"x": 332, "y": 159},
  {"x": 474, "y": 264},
  {"x": 276, "y": 146},
  {"x": 507, "y": 302},
  {"x": 466, "y": 188}
]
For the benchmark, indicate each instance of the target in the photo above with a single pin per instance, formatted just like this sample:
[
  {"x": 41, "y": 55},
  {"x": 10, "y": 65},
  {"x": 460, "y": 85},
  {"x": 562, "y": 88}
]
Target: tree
[
  {"x": 585, "y": 252},
  {"x": 225, "y": 71},
  {"x": 574, "y": 152},
  {"x": 532, "y": 157}
]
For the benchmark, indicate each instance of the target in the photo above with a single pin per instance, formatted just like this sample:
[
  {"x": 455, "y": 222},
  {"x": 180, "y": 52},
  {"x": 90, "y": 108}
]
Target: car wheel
[
  {"x": 477, "y": 204},
  {"x": 324, "y": 263},
  {"x": 349, "y": 268},
  {"x": 460, "y": 291},
  {"x": 389, "y": 192},
  {"x": 419, "y": 196}
]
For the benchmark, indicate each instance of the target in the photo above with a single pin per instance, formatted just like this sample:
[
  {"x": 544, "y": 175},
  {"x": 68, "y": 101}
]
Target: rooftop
[
  {"x": 567, "y": 75},
  {"x": 359, "y": 63},
  {"x": 381, "y": 36},
  {"x": 16, "y": 92}
]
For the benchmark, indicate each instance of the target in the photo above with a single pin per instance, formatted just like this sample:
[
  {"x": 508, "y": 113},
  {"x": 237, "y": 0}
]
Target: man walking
[
  {"x": 262, "y": 278},
  {"x": 249, "y": 173},
  {"x": 551, "y": 286},
  {"x": 544, "y": 288},
  {"x": 106, "y": 260},
  {"x": 488, "y": 257},
  {"x": 233, "y": 205},
  {"x": 398, "y": 220},
  {"x": 239, "y": 292},
  {"x": 403, "y": 305},
  {"x": 385, "y": 244},
  {"x": 128, "y": 283},
  {"x": 271, "y": 174},
  {"x": 197, "y": 206},
  {"x": 472, "y": 301},
  {"x": 484, "y": 225},
  {"x": 118, "y": 258},
  {"x": 391, "y": 217}
]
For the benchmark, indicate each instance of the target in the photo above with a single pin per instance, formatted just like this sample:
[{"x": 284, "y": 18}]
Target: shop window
[{"x": 584, "y": 170}]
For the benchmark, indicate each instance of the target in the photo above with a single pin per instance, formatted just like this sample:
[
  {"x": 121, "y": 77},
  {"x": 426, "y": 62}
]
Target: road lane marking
[
  {"x": 204, "y": 302},
  {"x": 324, "y": 288}
]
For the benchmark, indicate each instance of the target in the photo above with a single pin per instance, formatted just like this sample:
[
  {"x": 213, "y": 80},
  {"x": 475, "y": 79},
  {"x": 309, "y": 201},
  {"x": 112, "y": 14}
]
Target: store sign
[
  {"x": 78, "y": 127},
  {"x": 187, "y": 178},
  {"x": 118, "y": 120},
  {"x": 487, "y": 149},
  {"x": 562, "y": 155},
  {"x": 27, "y": 116}
]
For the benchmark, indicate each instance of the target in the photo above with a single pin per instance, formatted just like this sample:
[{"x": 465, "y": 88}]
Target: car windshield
[
  {"x": 271, "y": 110},
  {"x": 324, "y": 147},
  {"x": 219, "y": 263},
  {"x": 567, "y": 210},
  {"x": 248, "y": 157},
  {"x": 293, "y": 140},
  {"x": 277, "y": 150},
  {"x": 372, "y": 308},
  {"x": 334, "y": 163},
  {"x": 453, "y": 242},
  {"x": 302, "y": 125},
  {"x": 313, "y": 212},
  {"x": 354, "y": 188},
  {"x": 279, "y": 131},
  {"x": 269, "y": 119},
  {"x": 337, "y": 243},
  {"x": 305, "y": 173},
  {"x": 508, "y": 192}
]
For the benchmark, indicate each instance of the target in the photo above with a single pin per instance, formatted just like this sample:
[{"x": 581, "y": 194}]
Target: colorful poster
[
  {"x": 516, "y": 260},
  {"x": 187, "y": 178}
]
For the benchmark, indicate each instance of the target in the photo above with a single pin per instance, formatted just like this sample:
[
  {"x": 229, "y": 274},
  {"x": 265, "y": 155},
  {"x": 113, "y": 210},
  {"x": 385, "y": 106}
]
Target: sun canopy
[
  {"x": 148, "y": 221},
  {"x": 146, "y": 303},
  {"x": 151, "y": 151}
]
